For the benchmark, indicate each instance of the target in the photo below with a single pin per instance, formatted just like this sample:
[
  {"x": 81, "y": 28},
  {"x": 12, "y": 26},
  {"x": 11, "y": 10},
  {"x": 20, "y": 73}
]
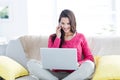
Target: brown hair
[{"x": 70, "y": 15}]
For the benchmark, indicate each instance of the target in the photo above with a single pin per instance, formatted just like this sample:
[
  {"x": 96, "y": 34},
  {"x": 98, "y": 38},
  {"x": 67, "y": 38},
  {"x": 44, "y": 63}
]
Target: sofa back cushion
[
  {"x": 31, "y": 45},
  {"x": 104, "y": 45}
]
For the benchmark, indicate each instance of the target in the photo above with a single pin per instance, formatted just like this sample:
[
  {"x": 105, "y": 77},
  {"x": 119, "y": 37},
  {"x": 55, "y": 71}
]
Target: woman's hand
[{"x": 58, "y": 31}]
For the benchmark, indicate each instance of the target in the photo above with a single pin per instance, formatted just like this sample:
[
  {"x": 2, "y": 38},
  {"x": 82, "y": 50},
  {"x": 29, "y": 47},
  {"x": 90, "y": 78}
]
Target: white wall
[
  {"x": 17, "y": 23},
  {"x": 41, "y": 17}
]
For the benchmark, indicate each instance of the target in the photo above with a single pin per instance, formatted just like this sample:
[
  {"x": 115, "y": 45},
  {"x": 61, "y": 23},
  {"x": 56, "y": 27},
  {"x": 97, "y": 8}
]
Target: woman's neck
[{"x": 69, "y": 36}]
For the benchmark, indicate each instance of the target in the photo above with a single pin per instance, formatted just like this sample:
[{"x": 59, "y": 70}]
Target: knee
[
  {"x": 33, "y": 63},
  {"x": 89, "y": 65}
]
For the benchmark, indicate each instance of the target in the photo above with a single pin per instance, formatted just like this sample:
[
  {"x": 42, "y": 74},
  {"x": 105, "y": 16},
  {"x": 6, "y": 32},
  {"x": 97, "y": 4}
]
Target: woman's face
[{"x": 65, "y": 24}]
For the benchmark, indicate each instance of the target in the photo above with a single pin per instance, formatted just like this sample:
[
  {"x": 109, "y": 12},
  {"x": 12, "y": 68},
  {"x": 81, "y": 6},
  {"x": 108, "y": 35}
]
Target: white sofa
[{"x": 27, "y": 47}]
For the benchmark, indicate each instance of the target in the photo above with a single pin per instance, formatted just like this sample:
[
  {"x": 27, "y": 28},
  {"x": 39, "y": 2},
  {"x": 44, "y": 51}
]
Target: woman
[{"x": 66, "y": 36}]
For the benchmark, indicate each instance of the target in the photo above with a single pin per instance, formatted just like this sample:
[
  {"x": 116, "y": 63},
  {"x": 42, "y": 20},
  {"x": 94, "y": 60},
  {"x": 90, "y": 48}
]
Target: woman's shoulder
[
  {"x": 80, "y": 34},
  {"x": 52, "y": 35}
]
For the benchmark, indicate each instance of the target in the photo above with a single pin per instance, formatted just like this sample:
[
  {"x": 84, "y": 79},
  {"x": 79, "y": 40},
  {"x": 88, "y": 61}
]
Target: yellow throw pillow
[
  {"x": 10, "y": 69},
  {"x": 96, "y": 58},
  {"x": 108, "y": 68}
]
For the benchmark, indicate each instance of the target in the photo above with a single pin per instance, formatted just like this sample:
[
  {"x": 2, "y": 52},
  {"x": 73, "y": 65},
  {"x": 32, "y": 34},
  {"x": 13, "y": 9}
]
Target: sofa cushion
[
  {"x": 96, "y": 59},
  {"x": 108, "y": 68},
  {"x": 15, "y": 51},
  {"x": 30, "y": 77},
  {"x": 10, "y": 69},
  {"x": 105, "y": 45},
  {"x": 32, "y": 44}
]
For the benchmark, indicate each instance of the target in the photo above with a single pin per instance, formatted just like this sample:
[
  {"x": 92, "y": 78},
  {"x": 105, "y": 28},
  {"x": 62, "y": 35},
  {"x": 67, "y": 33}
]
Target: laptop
[{"x": 59, "y": 58}]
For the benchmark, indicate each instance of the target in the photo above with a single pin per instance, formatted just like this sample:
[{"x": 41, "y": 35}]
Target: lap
[{"x": 60, "y": 74}]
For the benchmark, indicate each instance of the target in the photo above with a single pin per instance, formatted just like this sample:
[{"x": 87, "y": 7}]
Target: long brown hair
[{"x": 70, "y": 15}]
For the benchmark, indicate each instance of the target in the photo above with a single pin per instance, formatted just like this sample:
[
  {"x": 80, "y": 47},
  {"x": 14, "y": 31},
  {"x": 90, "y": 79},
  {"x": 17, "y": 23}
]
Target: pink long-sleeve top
[{"x": 79, "y": 42}]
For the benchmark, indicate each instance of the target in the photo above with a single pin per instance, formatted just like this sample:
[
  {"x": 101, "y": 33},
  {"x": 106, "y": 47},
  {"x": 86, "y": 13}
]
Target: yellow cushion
[
  {"x": 10, "y": 69},
  {"x": 108, "y": 68},
  {"x": 96, "y": 58}
]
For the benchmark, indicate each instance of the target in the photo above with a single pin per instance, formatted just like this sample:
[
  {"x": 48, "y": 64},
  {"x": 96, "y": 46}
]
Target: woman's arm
[
  {"x": 55, "y": 43},
  {"x": 87, "y": 55}
]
